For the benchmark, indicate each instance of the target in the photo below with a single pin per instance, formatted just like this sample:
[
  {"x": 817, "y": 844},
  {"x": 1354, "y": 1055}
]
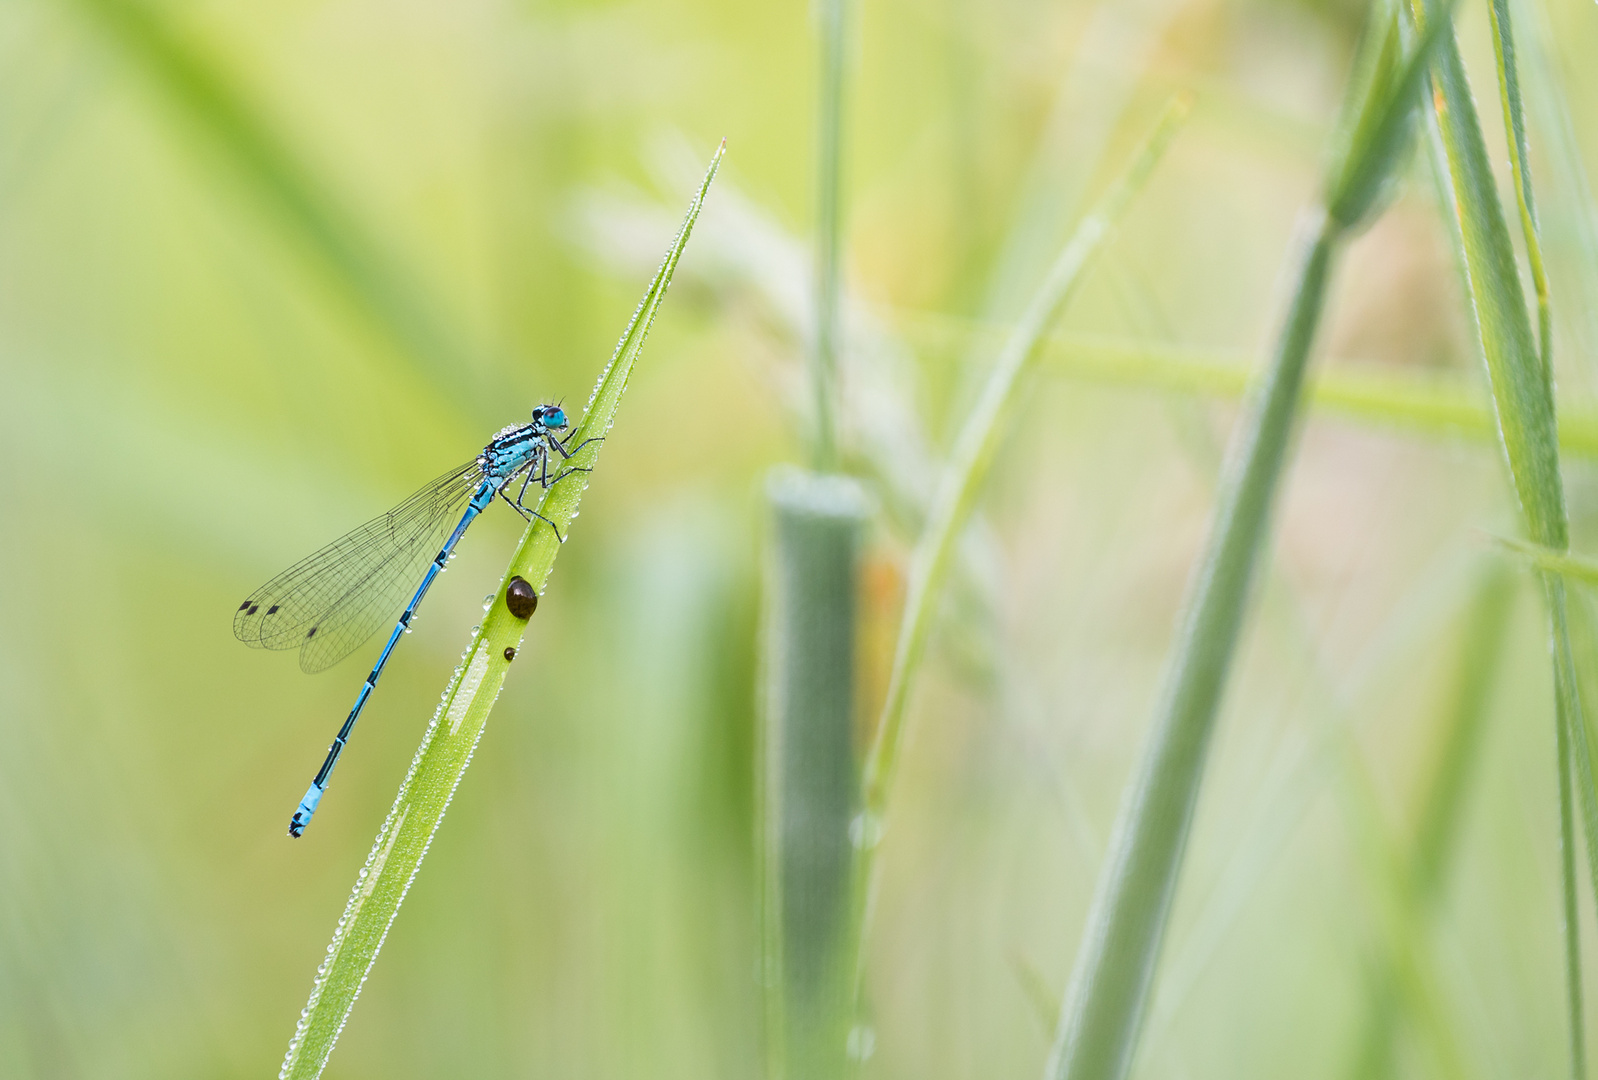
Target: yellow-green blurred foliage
[{"x": 265, "y": 268}]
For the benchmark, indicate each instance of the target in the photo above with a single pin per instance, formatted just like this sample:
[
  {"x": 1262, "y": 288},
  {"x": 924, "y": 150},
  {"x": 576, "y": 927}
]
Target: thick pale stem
[{"x": 810, "y": 770}]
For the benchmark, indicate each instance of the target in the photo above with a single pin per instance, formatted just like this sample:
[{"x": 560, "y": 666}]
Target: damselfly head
[{"x": 551, "y": 416}]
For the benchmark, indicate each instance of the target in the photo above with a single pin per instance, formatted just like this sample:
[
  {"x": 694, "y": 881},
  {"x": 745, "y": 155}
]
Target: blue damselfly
[{"x": 328, "y": 604}]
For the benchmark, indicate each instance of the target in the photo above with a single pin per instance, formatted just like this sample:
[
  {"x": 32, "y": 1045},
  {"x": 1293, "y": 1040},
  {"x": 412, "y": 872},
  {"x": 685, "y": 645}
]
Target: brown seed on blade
[{"x": 520, "y": 598}]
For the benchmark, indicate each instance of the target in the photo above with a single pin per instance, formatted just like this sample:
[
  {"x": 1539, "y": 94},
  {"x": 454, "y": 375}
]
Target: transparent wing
[{"x": 328, "y": 603}]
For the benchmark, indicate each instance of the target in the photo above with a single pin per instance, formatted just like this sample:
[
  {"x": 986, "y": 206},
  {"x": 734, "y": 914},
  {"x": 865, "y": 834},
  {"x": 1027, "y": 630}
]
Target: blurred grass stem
[
  {"x": 458, "y": 723},
  {"x": 1109, "y": 987},
  {"x": 963, "y": 478},
  {"x": 1421, "y": 405},
  {"x": 1114, "y": 971},
  {"x": 1552, "y": 560},
  {"x": 364, "y": 270},
  {"x": 1417, "y": 885},
  {"x": 810, "y": 773},
  {"x": 1391, "y": 397},
  {"x": 834, "y": 17}
]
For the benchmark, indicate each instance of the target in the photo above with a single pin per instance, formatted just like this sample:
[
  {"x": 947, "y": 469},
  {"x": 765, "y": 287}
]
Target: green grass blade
[
  {"x": 1522, "y": 391},
  {"x": 458, "y": 723},
  {"x": 1377, "y": 135},
  {"x": 1109, "y": 987},
  {"x": 1520, "y": 167},
  {"x": 359, "y": 266},
  {"x": 1522, "y": 386}
]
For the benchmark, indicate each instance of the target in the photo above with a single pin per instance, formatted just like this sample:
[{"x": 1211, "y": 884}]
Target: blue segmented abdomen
[{"x": 307, "y": 807}]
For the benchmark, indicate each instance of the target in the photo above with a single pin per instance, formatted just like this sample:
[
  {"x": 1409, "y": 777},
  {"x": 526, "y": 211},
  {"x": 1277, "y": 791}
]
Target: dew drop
[
  {"x": 862, "y": 1043},
  {"x": 865, "y": 831}
]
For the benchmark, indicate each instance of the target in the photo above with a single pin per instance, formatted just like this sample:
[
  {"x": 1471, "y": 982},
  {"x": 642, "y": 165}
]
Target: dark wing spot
[
  {"x": 254, "y": 608},
  {"x": 311, "y": 632},
  {"x": 272, "y": 610},
  {"x": 246, "y": 604}
]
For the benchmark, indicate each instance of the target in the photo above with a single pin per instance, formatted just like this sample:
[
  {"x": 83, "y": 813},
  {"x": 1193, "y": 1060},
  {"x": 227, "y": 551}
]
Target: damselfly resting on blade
[{"x": 328, "y": 604}]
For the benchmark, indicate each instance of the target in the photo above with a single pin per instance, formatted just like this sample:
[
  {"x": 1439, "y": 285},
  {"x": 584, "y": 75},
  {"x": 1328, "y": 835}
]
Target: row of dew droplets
[{"x": 366, "y": 883}]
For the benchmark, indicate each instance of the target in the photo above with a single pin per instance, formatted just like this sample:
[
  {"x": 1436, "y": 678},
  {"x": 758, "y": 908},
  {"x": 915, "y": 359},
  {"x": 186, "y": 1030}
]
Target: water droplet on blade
[
  {"x": 865, "y": 831},
  {"x": 862, "y": 1043}
]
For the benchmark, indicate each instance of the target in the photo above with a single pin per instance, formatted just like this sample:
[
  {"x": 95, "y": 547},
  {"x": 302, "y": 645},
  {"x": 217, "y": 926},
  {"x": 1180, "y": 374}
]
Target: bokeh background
[{"x": 266, "y": 268}]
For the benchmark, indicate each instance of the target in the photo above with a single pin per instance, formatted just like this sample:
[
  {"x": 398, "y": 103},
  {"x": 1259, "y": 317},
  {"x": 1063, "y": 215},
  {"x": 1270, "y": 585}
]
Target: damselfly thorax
[{"x": 514, "y": 448}]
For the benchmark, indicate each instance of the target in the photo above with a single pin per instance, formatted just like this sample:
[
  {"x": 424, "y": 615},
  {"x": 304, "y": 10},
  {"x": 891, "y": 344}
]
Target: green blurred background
[{"x": 266, "y": 268}]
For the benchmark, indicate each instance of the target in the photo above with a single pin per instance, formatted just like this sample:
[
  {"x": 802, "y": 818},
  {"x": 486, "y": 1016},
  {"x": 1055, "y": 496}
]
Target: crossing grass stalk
[
  {"x": 1420, "y": 405},
  {"x": 462, "y": 713}
]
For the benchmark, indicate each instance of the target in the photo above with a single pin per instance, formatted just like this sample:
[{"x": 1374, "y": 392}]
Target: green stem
[
  {"x": 1104, "y": 1004},
  {"x": 810, "y": 773},
  {"x": 1114, "y": 971}
]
